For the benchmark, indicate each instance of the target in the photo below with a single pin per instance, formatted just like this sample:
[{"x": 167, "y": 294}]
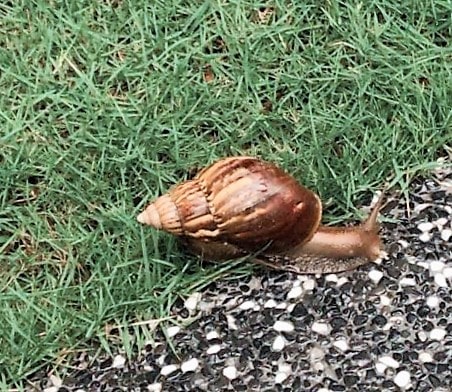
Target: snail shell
[{"x": 242, "y": 201}]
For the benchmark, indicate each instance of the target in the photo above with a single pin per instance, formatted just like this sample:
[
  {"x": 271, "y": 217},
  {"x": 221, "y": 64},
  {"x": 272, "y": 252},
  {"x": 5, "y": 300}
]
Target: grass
[{"x": 105, "y": 104}]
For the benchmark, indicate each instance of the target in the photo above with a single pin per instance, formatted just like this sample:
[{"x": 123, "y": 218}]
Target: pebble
[
  {"x": 447, "y": 272},
  {"x": 402, "y": 379},
  {"x": 375, "y": 275},
  {"x": 192, "y": 301},
  {"x": 389, "y": 361},
  {"x": 231, "y": 322},
  {"x": 446, "y": 234},
  {"x": 230, "y": 372},
  {"x": 380, "y": 368},
  {"x": 284, "y": 371},
  {"x": 425, "y": 357},
  {"x": 425, "y": 237},
  {"x": 283, "y": 326},
  {"x": 118, "y": 362},
  {"x": 189, "y": 366},
  {"x": 168, "y": 369},
  {"x": 280, "y": 377},
  {"x": 440, "y": 280},
  {"x": 425, "y": 226},
  {"x": 404, "y": 244},
  {"x": 247, "y": 305},
  {"x": 212, "y": 335},
  {"x": 407, "y": 282},
  {"x": 341, "y": 344},
  {"x": 213, "y": 349},
  {"x": 51, "y": 389},
  {"x": 432, "y": 301},
  {"x": 173, "y": 331},
  {"x": 271, "y": 303},
  {"x": 155, "y": 387},
  {"x": 321, "y": 328},
  {"x": 385, "y": 300},
  {"x": 295, "y": 292},
  {"x": 279, "y": 343},
  {"x": 436, "y": 266},
  {"x": 437, "y": 334},
  {"x": 55, "y": 380},
  {"x": 309, "y": 284}
]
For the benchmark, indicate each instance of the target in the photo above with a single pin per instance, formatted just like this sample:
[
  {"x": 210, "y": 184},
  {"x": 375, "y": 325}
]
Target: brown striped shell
[{"x": 240, "y": 201}]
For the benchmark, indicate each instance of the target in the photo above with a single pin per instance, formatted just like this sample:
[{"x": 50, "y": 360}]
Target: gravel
[{"x": 385, "y": 326}]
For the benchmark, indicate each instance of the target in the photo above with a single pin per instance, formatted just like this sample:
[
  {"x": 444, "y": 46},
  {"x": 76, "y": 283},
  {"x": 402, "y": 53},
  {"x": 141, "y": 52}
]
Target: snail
[{"x": 243, "y": 205}]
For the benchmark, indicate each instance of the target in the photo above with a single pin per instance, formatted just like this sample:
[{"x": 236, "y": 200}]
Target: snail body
[{"x": 243, "y": 205}]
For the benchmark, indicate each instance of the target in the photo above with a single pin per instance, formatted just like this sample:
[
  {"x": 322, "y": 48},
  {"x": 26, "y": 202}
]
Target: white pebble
[
  {"x": 280, "y": 377},
  {"x": 437, "y": 334},
  {"x": 213, "y": 349},
  {"x": 422, "y": 336},
  {"x": 212, "y": 335},
  {"x": 285, "y": 367},
  {"x": 385, "y": 300},
  {"x": 341, "y": 344},
  {"x": 192, "y": 301},
  {"x": 425, "y": 357},
  {"x": 425, "y": 226},
  {"x": 247, "y": 305},
  {"x": 155, "y": 387},
  {"x": 447, "y": 272},
  {"x": 436, "y": 266},
  {"x": 295, "y": 292},
  {"x": 230, "y": 372},
  {"x": 231, "y": 322},
  {"x": 189, "y": 366},
  {"x": 440, "y": 280},
  {"x": 404, "y": 244},
  {"x": 402, "y": 379},
  {"x": 389, "y": 361},
  {"x": 173, "y": 331},
  {"x": 309, "y": 284},
  {"x": 425, "y": 237},
  {"x": 168, "y": 369},
  {"x": 279, "y": 343},
  {"x": 407, "y": 282},
  {"x": 420, "y": 207},
  {"x": 316, "y": 354},
  {"x": 375, "y": 275},
  {"x": 320, "y": 328},
  {"x": 440, "y": 222},
  {"x": 331, "y": 278},
  {"x": 55, "y": 380},
  {"x": 423, "y": 264},
  {"x": 341, "y": 281},
  {"x": 283, "y": 326},
  {"x": 118, "y": 362},
  {"x": 271, "y": 303},
  {"x": 161, "y": 360},
  {"x": 380, "y": 367},
  {"x": 446, "y": 234},
  {"x": 51, "y": 389},
  {"x": 432, "y": 301}
]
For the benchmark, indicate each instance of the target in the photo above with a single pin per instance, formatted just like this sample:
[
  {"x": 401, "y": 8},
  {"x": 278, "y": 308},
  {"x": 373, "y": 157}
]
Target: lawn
[{"x": 106, "y": 104}]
